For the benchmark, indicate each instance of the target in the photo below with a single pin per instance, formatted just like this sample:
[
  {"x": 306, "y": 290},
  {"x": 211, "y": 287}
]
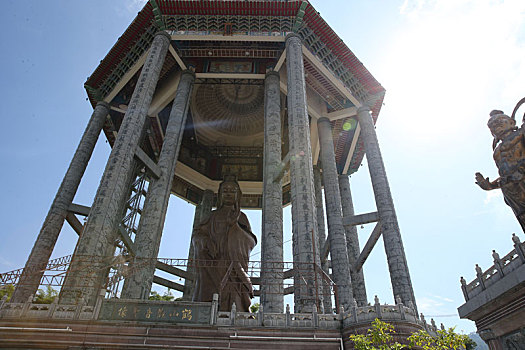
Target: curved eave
[
  {"x": 339, "y": 48},
  {"x": 247, "y": 8},
  {"x": 121, "y": 47},
  {"x": 290, "y": 9}
]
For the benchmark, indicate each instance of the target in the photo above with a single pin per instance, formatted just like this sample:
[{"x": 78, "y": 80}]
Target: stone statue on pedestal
[
  {"x": 222, "y": 246},
  {"x": 509, "y": 155}
]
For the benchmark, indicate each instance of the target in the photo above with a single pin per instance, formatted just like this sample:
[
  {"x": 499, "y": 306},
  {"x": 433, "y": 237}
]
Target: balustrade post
[
  {"x": 98, "y": 304},
  {"x": 479, "y": 274},
  {"x": 260, "y": 315},
  {"x": 52, "y": 308},
  {"x": 354, "y": 310},
  {"x": 497, "y": 263},
  {"x": 288, "y": 316},
  {"x": 519, "y": 248},
  {"x": 377, "y": 306},
  {"x": 233, "y": 314},
  {"x": 464, "y": 288}
]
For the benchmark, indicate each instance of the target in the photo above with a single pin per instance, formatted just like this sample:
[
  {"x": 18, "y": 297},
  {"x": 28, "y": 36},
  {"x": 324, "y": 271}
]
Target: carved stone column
[
  {"x": 327, "y": 296},
  {"x": 202, "y": 213},
  {"x": 304, "y": 218},
  {"x": 46, "y": 240},
  {"x": 336, "y": 231},
  {"x": 272, "y": 290},
  {"x": 147, "y": 241},
  {"x": 397, "y": 264},
  {"x": 94, "y": 252},
  {"x": 352, "y": 243}
]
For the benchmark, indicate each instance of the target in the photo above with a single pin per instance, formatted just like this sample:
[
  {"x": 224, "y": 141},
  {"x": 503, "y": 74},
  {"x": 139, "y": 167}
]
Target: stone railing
[
  {"x": 502, "y": 267},
  {"x": 115, "y": 309},
  {"x": 356, "y": 315},
  {"x": 30, "y": 310}
]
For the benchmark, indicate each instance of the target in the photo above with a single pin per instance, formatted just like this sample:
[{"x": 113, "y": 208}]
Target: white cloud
[
  {"x": 448, "y": 300},
  {"x": 457, "y": 60},
  {"x": 435, "y": 304},
  {"x": 429, "y": 305},
  {"x": 493, "y": 195}
]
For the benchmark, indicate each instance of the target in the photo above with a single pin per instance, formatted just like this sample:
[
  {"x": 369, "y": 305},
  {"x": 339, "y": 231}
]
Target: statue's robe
[
  {"x": 220, "y": 247},
  {"x": 509, "y": 158}
]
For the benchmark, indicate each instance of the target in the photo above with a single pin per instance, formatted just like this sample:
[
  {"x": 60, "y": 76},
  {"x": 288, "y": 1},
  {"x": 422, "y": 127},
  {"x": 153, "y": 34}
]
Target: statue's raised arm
[
  {"x": 485, "y": 183},
  {"x": 509, "y": 156}
]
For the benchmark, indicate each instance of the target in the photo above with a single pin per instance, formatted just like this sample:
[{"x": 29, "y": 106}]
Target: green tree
[
  {"x": 45, "y": 297},
  {"x": 167, "y": 296},
  {"x": 445, "y": 339},
  {"x": 470, "y": 344},
  {"x": 254, "y": 308},
  {"x": 8, "y": 290},
  {"x": 378, "y": 337}
]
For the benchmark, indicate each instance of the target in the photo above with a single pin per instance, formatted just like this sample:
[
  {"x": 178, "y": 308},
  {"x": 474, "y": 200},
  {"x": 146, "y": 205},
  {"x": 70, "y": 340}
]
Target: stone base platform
[
  {"x": 113, "y": 335},
  {"x": 146, "y": 324},
  {"x": 76, "y": 334}
]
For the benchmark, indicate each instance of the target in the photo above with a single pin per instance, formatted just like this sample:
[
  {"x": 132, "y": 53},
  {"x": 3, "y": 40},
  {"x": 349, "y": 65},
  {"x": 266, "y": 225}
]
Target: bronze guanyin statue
[
  {"x": 509, "y": 155},
  {"x": 222, "y": 246}
]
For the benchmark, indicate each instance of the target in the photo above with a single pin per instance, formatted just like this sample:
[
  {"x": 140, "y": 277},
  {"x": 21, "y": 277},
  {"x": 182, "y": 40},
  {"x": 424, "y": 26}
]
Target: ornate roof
[{"x": 333, "y": 72}]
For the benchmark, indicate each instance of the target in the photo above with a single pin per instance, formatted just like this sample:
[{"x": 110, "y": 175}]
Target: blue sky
[{"x": 445, "y": 65}]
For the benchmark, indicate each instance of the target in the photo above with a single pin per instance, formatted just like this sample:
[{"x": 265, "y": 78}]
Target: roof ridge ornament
[
  {"x": 299, "y": 17},
  {"x": 157, "y": 14}
]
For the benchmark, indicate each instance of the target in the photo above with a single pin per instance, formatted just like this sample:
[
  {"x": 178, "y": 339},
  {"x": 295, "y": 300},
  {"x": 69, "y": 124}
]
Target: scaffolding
[{"x": 119, "y": 269}]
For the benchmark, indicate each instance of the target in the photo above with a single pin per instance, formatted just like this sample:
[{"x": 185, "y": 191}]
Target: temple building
[{"x": 193, "y": 92}]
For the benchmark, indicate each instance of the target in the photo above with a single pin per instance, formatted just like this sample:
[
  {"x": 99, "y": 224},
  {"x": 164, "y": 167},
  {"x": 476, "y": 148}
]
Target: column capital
[
  {"x": 103, "y": 104},
  {"x": 290, "y": 36},
  {"x": 323, "y": 120},
  {"x": 363, "y": 108},
  {"x": 164, "y": 34},
  {"x": 272, "y": 73},
  {"x": 189, "y": 72}
]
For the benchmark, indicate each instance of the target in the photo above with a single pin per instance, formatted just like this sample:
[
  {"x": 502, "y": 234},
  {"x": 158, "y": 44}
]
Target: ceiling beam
[
  {"x": 229, "y": 76},
  {"x": 76, "y": 225},
  {"x": 372, "y": 240},
  {"x": 342, "y": 113},
  {"x": 352, "y": 148},
  {"x": 177, "y": 58},
  {"x": 126, "y": 77},
  {"x": 249, "y": 38},
  {"x": 338, "y": 84},
  {"x": 280, "y": 62},
  {"x": 201, "y": 181}
]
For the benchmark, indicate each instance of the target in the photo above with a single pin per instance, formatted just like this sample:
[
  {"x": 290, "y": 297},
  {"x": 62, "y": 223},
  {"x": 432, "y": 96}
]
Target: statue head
[
  {"x": 499, "y": 124},
  {"x": 229, "y": 192}
]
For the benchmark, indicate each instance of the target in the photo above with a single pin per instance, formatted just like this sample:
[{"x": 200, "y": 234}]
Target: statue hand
[{"x": 482, "y": 182}]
